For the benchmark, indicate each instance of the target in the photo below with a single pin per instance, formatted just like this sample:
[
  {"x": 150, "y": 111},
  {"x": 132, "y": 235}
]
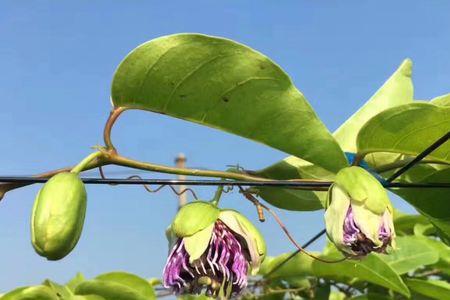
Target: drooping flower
[
  {"x": 212, "y": 251},
  {"x": 358, "y": 215}
]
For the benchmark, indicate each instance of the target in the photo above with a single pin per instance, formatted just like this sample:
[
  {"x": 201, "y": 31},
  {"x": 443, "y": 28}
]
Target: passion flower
[
  {"x": 358, "y": 213},
  {"x": 211, "y": 251}
]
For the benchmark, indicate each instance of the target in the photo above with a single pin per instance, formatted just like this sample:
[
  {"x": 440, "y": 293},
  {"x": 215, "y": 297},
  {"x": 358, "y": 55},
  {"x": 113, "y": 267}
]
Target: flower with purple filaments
[
  {"x": 357, "y": 240},
  {"x": 224, "y": 262},
  {"x": 358, "y": 216}
]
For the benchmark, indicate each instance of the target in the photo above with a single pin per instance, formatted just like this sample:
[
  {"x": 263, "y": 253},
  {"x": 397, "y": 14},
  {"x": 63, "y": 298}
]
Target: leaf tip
[{"x": 406, "y": 67}]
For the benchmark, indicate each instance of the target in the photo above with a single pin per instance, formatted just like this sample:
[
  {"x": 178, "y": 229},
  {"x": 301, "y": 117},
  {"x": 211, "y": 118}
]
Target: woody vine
[{"x": 228, "y": 86}]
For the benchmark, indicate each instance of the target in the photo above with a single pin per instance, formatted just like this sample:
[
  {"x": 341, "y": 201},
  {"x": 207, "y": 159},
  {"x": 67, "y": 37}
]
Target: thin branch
[{"x": 126, "y": 162}]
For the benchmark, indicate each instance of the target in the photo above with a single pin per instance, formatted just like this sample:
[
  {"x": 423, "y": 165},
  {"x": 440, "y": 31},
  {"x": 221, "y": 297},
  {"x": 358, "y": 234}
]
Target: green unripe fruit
[{"x": 58, "y": 216}]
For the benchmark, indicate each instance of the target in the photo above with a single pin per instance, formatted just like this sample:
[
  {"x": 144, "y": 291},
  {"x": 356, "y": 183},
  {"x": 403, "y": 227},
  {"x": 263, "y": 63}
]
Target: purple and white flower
[{"x": 217, "y": 258}]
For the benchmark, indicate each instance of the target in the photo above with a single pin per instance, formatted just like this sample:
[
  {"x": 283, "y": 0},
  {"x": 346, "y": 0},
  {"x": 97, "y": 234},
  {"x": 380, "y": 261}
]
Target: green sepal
[
  {"x": 197, "y": 244},
  {"x": 254, "y": 239},
  {"x": 363, "y": 189},
  {"x": 171, "y": 237},
  {"x": 193, "y": 217}
]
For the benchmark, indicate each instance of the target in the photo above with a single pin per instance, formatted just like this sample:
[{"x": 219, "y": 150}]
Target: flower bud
[
  {"x": 359, "y": 214},
  {"x": 212, "y": 251},
  {"x": 58, "y": 216}
]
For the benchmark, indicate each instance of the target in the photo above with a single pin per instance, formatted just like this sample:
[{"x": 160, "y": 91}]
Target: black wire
[
  {"x": 271, "y": 183},
  {"x": 419, "y": 157},
  {"x": 133, "y": 181}
]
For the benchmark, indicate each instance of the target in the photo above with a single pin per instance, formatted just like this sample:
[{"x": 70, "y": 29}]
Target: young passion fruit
[{"x": 58, "y": 216}]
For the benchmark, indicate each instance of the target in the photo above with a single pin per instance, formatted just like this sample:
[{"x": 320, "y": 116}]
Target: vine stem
[
  {"x": 108, "y": 156},
  {"x": 115, "y": 113},
  {"x": 85, "y": 162}
]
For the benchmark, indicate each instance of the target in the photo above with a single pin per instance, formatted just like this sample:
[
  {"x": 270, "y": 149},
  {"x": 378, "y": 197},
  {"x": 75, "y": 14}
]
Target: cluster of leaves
[
  {"x": 109, "y": 286},
  {"x": 419, "y": 269},
  {"x": 224, "y": 85}
]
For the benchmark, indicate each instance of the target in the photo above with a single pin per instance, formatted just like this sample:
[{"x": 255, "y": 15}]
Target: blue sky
[{"x": 57, "y": 61}]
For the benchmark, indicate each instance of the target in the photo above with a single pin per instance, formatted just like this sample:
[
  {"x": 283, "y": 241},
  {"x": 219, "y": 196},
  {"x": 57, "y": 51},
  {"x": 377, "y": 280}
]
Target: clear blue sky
[{"x": 57, "y": 60}]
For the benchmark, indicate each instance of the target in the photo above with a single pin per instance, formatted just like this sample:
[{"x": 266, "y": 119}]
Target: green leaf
[
  {"x": 63, "y": 292},
  {"x": 12, "y": 295},
  {"x": 194, "y": 297},
  {"x": 372, "y": 269},
  {"x": 88, "y": 297},
  {"x": 434, "y": 289},
  {"x": 443, "y": 100},
  {"x": 432, "y": 202},
  {"x": 336, "y": 295},
  {"x": 72, "y": 284},
  {"x": 444, "y": 254},
  {"x": 299, "y": 265},
  {"x": 291, "y": 199},
  {"x": 39, "y": 292},
  {"x": 109, "y": 290},
  {"x": 411, "y": 253},
  {"x": 225, "y": 85},
  {"x": 404, "y": 224},
  {"x": 397, "y": 90},
  {"x": 132, "y": 281},
  {"x": 407, "y": 129},
  {"x": 372, "y": 296}
]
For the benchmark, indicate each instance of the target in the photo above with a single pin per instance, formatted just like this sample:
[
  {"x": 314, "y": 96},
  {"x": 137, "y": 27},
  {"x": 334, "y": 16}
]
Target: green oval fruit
[{"x": 58, "y": 216}]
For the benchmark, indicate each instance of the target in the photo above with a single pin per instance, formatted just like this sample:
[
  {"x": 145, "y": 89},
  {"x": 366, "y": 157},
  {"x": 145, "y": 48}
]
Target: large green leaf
[
  {"x": 397, "y": 90},
  {"x": 372, "y": 269},
  {"x": 434, "y": 289},
  {"x": 407, "y": 129},
  {"x": 431, "y": 202},
  {"x": 228, "y": 86},
  {"x": 109, "y": 290},
  {"x": 411, "y": 253},
  {"x": 137, "y": 283}
]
